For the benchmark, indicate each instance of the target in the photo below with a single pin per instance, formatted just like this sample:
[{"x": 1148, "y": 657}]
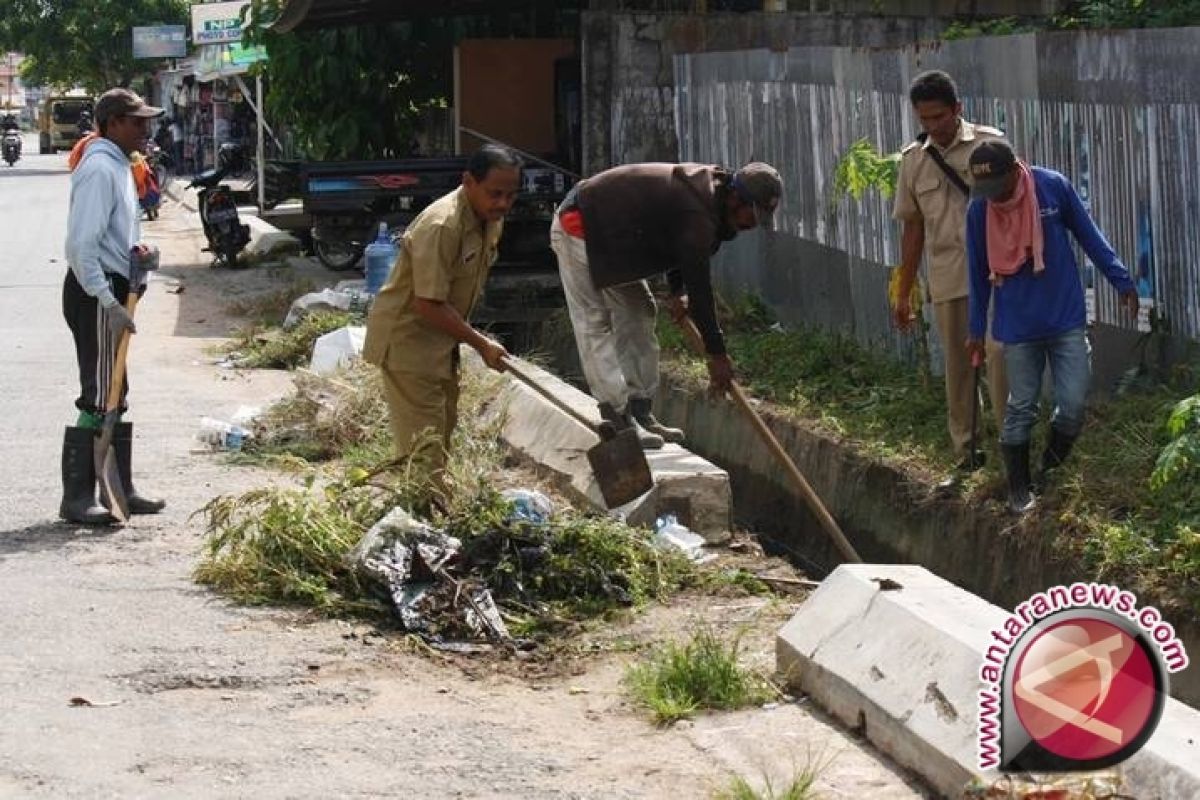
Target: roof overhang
[{"x": 301, "y": 15}]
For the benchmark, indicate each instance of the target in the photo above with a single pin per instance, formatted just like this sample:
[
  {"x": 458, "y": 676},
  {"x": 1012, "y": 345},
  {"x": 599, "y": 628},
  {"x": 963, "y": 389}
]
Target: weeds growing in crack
[{"x": 677, "y": 680}]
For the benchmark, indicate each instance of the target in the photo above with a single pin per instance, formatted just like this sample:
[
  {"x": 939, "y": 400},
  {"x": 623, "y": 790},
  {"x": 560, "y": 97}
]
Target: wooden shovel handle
[
  {"x": 814, "y": 502},
  {"x": 118, "y": 373},
  {"x": 518, "y": 370}
]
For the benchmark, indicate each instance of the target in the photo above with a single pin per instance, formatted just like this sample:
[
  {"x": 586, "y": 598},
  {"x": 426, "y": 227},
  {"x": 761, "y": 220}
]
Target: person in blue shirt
[{"x": 1021, "y": 262}]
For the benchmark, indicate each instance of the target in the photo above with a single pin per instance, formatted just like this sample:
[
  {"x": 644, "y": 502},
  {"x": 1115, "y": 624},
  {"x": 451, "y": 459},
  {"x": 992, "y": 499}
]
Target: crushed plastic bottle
[
  {"x": 221, "y": 435},
  {"x": 528, "y": 505},
  {"x": 669, "y": 533}
]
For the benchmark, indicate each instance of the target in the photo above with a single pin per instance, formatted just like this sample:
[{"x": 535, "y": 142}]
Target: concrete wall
[{"x": 629, "y": 73}]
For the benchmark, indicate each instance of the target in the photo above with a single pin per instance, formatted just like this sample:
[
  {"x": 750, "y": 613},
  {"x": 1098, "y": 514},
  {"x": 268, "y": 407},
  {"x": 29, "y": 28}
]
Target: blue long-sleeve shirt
[{"x": 1028, "y": 308}]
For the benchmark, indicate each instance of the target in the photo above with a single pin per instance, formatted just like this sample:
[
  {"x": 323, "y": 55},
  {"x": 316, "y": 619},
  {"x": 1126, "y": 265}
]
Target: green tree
[
  {"x": 82, "y": 42},
  {"x": 1131, "y": 14},
  {"x": 354, "y": 92}
]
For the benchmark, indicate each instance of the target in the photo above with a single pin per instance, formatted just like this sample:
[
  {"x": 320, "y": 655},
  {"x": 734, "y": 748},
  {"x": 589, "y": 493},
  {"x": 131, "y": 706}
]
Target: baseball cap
[
  {"x": 122, "y": 102},
  {"x": 759, "y": 184},
  {"x": 990, "y": 164}
]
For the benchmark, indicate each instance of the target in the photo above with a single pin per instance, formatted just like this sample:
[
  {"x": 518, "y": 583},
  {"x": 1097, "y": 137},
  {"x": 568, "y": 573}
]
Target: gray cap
[
  {"x": 122, "y": 102},
  {"x": 990, "y": 164},
  {"x": 759, "y": 184}
]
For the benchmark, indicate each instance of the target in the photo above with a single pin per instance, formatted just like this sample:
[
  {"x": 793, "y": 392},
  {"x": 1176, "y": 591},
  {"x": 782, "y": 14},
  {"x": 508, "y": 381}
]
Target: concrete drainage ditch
[{"x": 889, "y": 518}]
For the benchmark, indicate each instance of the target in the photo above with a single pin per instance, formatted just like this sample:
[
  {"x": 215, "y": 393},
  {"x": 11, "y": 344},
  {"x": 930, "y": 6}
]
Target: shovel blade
[
  {"x": 112, "y": 491},
  {"x": 620, "y": 467}
]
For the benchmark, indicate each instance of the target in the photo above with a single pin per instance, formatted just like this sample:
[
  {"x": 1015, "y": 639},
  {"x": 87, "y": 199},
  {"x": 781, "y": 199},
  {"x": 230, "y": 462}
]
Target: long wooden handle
[
  {"x": 118, "y": 374},
  {"x": 518, "y": 371},
  {"x": 814, "y": 502}
]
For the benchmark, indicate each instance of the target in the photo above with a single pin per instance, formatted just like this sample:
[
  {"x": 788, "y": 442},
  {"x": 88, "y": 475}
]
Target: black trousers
[{"x": 95, "y": 349}]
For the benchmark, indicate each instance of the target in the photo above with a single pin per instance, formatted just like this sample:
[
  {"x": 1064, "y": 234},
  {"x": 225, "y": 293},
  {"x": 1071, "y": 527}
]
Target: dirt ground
[{"x": 191, "y": 696}]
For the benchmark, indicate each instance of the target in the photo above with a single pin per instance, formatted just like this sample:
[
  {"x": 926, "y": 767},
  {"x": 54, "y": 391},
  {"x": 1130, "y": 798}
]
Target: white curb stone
[{"x": 896, "y": 651}]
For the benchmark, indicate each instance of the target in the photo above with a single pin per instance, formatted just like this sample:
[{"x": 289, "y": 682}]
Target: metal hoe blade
[
  {"x": 620, "y": 467},
  {"x": 105, "y": 456}
]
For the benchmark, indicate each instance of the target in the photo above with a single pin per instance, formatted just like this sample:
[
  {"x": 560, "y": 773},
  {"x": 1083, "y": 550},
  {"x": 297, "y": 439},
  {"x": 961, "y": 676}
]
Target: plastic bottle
[
  {"x": 379, "y": 256},
  {"x": 221, "y": 435}
]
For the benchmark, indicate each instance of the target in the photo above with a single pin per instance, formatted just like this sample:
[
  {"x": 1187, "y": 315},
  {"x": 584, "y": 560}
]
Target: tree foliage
[
  {"x": 354, "y": 92},
  {"x": 82, "y": 42},
  {"x": 1131, "y": 14}
]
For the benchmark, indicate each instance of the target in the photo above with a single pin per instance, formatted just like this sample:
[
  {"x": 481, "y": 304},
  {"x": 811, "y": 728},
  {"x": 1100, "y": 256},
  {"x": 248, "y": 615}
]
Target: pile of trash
[{"x": 457, "y": 592}]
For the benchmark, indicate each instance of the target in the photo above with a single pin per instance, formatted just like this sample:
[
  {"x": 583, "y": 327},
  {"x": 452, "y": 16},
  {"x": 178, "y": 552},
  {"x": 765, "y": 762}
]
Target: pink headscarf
[{"x": 1014, "y": 230}]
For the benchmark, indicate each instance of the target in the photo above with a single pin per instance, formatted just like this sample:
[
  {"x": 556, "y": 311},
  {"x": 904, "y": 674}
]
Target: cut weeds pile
[
  {"x": 1103, "y": 508},
  {"x": 291, "y": 545}
]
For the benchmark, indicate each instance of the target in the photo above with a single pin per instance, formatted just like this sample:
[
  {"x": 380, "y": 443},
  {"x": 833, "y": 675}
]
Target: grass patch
[
  {"x": 890, "y": 408},
  {"x": 800, "y": 787},
  {"x": 257, "y": 347},
  {"x": 703, "y": 673}
]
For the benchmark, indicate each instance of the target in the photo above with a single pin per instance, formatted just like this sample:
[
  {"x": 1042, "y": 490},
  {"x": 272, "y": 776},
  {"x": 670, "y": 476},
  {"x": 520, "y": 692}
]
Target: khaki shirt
[
  {"x": 925, "y": 193},
  {"x": 445, "y": 255}
]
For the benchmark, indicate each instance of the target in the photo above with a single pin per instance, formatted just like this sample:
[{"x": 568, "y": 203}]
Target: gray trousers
[{"x": 614, "y": 327}]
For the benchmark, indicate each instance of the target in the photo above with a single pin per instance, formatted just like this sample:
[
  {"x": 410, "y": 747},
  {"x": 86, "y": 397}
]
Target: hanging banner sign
[
  {"x": 218, "y": 23},
  {"x": 160, "y": 41}
]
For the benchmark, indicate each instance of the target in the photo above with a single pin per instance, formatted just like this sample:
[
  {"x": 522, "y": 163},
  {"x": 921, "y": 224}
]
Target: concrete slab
[
  {"x": 696, "y": 491},
  {"x": 895, "y": 651},
  {"x": 266, "y": 239}
]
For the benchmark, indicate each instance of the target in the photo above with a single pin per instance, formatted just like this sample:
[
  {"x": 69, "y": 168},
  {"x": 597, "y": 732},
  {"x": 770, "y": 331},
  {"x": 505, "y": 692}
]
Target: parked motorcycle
[
  {"x": 340, "y": 241},
  {"x": 10, "y": 146},
  {"x": 227, "y": 237}
]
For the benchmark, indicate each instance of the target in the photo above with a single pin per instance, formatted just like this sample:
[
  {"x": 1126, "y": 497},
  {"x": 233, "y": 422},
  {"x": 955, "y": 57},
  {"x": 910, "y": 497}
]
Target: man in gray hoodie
[{"x": 103, "y": 233}]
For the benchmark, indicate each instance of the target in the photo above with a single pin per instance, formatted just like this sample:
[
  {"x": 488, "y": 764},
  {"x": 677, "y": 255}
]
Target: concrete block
[
  {"x": 265, "y": 238},
  {"x": 902, "y": 664},
  {"x": 696, "y": 491}
]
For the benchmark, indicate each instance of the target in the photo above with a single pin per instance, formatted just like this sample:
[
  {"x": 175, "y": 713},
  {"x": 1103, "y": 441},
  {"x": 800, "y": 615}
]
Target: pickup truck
[{"x": 346, "y": 201}]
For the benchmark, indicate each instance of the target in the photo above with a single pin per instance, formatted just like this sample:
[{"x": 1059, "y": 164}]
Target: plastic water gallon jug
[{"x": 380, "y": 255}]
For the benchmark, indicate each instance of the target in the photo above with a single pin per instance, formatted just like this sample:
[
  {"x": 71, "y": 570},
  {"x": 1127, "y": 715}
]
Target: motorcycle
[
  {"x": 10, "y": 146},
  {"x": 226, "y": 236}
]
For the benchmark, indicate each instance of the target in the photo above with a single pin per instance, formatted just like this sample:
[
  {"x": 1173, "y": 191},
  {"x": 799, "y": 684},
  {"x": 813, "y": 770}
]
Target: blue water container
[{"x": 379, "y": 257}]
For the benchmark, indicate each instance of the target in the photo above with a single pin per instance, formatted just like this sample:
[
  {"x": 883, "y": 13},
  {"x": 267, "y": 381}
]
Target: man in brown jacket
[{"x": 627, "y": 224}]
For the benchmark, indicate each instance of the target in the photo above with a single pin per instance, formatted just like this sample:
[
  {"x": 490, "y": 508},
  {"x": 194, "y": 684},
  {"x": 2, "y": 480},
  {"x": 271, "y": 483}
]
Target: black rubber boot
[
  {"x": 621, "y": 421},
  {"x": 1056, "y": 452},
  {"x": 79, "y": 480},
  {"x": 639, "y": 408},
  {"x": 1016, "y": 464},
  {"x": 123, "y": 444}
]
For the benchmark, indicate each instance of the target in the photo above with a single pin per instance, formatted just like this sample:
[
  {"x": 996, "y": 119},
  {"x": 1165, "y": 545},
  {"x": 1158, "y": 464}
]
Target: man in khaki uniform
[
  {"x": 933, "y": 210},
  {"x": 419, "y": 317}
]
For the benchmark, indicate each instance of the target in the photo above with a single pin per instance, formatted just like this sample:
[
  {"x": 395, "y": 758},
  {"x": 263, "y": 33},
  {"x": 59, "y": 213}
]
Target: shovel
[
  {"x": 617, "y": 461},
  {"x": 814, "y": 501},
  {"x": 104, "y": 455}
]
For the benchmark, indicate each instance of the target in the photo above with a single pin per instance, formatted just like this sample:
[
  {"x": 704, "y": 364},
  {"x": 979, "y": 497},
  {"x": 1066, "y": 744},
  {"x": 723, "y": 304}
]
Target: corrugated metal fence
[{"x": 1118, "y": 113}]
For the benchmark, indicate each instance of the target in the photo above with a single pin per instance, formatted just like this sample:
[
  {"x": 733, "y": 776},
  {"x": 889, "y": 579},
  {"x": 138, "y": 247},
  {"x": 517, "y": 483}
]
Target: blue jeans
[{"x": 1070, "y": 359}]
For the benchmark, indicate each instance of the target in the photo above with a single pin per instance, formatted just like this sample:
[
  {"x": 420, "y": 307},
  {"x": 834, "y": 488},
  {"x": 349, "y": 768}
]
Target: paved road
[{"x": 196, "y": 698}]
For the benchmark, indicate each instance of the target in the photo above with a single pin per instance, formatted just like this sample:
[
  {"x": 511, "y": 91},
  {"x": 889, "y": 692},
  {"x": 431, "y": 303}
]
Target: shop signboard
[
  {"x": 160, "y": 41},
  {"x": 218, "y": 23}
]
